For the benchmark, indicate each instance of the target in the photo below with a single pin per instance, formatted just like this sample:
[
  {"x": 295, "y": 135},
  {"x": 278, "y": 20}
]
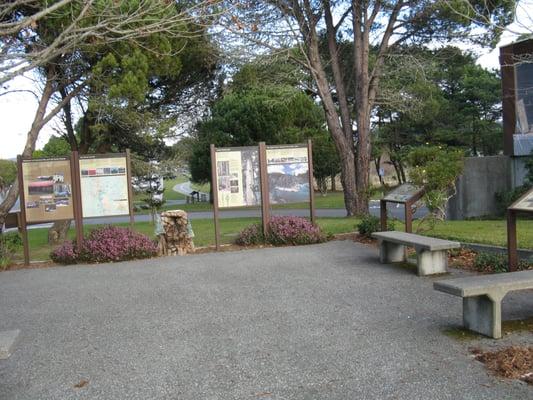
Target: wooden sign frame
[
  {"x": 512, "y": 213},
  {"x": 74, "y": 160},
  {"x": 264, "y": 186},
  {"x": 408, "y": 203}
]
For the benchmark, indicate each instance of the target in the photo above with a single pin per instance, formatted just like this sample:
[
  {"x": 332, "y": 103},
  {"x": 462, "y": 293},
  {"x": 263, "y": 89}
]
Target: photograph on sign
[
  {"x": 47, "y": 190},
  {"x": 402, "y": 193},
  {"x": 525, "y": 203},
  {"x": 104, "y": 186},
  {"x": 288, "y": 174},
  {"x": 238, "y": 177}
]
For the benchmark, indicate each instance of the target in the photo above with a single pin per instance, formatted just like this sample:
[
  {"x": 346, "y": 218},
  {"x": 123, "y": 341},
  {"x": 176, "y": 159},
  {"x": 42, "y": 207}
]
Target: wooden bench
[
  {"x": 432, "y": 257},
  {"x": 482, "y": 298}
]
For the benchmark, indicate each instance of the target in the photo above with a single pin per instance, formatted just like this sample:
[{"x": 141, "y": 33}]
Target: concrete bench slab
[
  {"x": 8, "y": 340},
  {"x": 482, "y": 298},
  {"x": 431, "y": 252}
]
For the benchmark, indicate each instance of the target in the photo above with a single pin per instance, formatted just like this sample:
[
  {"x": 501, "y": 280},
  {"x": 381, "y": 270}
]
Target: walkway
[{"x": 314, "y": 322}]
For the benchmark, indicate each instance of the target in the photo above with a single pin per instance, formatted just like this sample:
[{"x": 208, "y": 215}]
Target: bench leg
[
  {"x": 431, "y": 262},
  {"x": 391, "y": 252},
  {"x": 483, "y": 314}
]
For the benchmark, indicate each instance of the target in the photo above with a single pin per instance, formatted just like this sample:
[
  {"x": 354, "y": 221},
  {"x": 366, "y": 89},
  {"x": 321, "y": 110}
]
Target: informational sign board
[
  {"x": 288, "y": 173},
  {"x": 253, "y": 176},
  {"x": 238, "y": 182},
  {"x": 104, "y": 185},
  {"x": 524, "y": 203},
  {"x": 406, "y": 194},
  {"x": 47, "y": 185},
  {"x": 402, "y": 193}
]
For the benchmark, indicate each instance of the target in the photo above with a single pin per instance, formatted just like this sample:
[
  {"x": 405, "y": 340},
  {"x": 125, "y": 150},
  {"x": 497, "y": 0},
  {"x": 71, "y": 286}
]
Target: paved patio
[{"x": 314, "y": 322}]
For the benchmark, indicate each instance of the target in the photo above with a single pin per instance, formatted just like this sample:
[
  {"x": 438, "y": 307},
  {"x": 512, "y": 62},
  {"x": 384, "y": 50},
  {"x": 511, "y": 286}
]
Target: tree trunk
[
  {"x": 38, "y": 119},
  {"x": 333, "y": 182},
  {"x": 58, "y": 232}
]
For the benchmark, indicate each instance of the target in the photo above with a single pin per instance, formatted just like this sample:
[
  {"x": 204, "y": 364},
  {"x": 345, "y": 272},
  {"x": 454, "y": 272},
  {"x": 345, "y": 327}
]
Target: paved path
[
  {"x": 185, "y": 188},
  {"x": 314, "y": 322}
]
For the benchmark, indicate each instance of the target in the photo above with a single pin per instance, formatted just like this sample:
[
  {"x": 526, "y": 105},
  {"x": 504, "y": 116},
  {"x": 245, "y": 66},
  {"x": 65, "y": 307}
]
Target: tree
[
  {"x": 273, "y": 114},
  {"x": 383, "y": 25},
  {"x": 8, "y": 174},
  {"x": 52, "y": 40},
  {"x": 55, "y": 147}
]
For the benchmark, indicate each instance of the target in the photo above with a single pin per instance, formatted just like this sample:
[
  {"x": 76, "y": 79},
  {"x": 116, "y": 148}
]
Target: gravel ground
[{"x": 313, "y": 322}]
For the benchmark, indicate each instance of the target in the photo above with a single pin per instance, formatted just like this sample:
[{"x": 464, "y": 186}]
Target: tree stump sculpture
[{"x": 175, "y": 234}]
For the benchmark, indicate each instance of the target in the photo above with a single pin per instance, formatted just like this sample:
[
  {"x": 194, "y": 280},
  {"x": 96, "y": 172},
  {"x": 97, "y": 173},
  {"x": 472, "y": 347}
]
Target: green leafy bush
[
  {"x": 436, "y": 169},
  {"x": 490, "y": 262},
  {"x": 370, "y": 224},
  {"x": 495, "y": 262},
  {"x": 10, "y": 243}
]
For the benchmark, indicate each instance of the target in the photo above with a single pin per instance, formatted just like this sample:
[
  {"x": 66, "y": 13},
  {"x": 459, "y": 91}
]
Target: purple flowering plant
[
  {"x": 282, "y": 231},
  {"x": 106, "y": 244}
]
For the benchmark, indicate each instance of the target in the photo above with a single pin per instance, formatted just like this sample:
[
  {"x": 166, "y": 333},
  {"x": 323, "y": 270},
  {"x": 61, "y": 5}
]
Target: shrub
[
  {"x": 109, "y": 243},
  {"x": 251, "y": 236},
  {"x": 490, "y": 262},
  {"x": 293, "y": 231},
  {"x": 67, "y": 253},
  {"x": 370, "y": 224},
  {"x": 10, "y": 243}
]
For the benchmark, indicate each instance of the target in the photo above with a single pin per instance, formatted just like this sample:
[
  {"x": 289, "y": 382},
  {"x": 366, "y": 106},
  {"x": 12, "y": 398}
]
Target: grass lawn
[{"x": 485, "y": 231}]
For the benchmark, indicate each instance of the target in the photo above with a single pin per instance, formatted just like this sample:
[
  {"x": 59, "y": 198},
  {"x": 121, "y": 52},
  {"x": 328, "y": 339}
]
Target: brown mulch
[
  {"x": 462, "y": 258},
  {"x": 513, "y": 362}
]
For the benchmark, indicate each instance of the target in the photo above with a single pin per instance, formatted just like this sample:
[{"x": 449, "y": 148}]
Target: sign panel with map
[
  {"x": 47, "y": 185},
  {"x": 238, "y": 182},
  {"x": 288, "y": 173},
  {"x": 104, "y": 185},
  {"x": 524, "y": 203},
  {"x": 402, "y": 193}
]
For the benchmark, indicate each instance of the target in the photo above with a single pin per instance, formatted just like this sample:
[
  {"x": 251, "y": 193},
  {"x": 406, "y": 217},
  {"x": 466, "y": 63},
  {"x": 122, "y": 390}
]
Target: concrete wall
[{"x": 476, "y": 188}]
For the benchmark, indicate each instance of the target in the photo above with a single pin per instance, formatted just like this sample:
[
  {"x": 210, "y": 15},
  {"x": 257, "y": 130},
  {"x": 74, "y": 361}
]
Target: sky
[{"x": 17, "y": 109}]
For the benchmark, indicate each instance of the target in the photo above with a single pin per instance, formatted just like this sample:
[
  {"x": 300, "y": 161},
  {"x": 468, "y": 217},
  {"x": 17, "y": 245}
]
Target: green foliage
[
  {"x": 10, "y": 243},
  {"x": 490, "y": 262},
  {"x": 445, "y": 99},
  {"x": 370, "y": 224},
  {"x": 8, "y": 173},
  {"x": 55, "y": 147},
  {"x": 435, "y": 169},
  {"x": 273, "y": 114}
]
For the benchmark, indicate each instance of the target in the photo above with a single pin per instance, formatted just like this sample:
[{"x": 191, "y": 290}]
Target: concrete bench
[
  {"x": 482, "y": 298},
  {"x": 431, "y": 253}
]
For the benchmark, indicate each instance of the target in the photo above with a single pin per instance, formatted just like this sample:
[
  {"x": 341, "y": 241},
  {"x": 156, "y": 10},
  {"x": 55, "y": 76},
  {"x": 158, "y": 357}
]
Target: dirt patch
[
  {"x": 462, "y": 258},
  {"x": 513, "y": 362},
  {"x": 33, "y": 265}
]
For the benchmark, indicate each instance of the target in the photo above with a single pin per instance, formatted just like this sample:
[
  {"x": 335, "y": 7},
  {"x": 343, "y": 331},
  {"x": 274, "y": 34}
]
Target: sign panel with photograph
[
  {"x": 104, "y": 186},
  {"x": 402, "y": 193},
  {"x": 238, "y": 182},
  {"x": 288, "y": 173},
  {"x": 47, "y": 190}
]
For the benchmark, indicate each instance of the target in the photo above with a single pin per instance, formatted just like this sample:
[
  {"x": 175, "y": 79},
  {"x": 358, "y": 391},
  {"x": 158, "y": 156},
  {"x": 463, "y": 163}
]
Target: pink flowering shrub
[
  {"x": 250, "y": 236},
  {"x": 67, "y": 253},
  {"x": 282, "y": 231},
  {"x": 109, "y": 243},
  {"x": 294, "y": 231}
]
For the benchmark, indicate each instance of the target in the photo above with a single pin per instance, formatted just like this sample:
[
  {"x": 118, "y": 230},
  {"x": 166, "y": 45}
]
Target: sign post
[
  {"x": 265, "y": 196},
  {"x": 23, "y": 227},
  {"x": 311, "y": 180},
  {"x": 214, "y": 189}
]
